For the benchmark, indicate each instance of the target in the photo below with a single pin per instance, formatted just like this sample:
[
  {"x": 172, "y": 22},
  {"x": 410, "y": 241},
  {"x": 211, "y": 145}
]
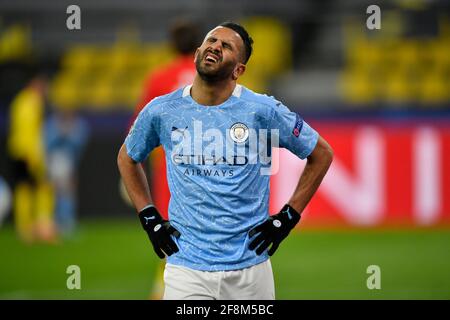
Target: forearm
[
  {"x": 134, "y": 179},
  {"x": 316, "y": 167}
]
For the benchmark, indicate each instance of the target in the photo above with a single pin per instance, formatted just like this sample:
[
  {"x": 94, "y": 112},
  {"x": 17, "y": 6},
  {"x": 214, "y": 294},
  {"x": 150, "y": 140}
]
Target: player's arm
[
  {"x": 159, "y": 230},
  {"x": 141, "y": 140},
  {"x": 277, "y": 227},
  {"x": 317, "y": 165},
  {"x": 302, "y": 140},
  {"x": 134, "y": 179}
]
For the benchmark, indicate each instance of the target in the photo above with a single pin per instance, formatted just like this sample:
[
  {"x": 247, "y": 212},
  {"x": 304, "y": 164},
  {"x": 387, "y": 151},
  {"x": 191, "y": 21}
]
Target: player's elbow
[
  {"x": 328, "y": 154},
  {"x": 323, "y": 153},
  {"x": 122, "y": 158}
]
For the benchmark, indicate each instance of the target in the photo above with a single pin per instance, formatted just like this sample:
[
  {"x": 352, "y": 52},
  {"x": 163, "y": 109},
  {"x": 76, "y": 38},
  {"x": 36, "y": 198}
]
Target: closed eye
[{"x": 226, "y": 45}]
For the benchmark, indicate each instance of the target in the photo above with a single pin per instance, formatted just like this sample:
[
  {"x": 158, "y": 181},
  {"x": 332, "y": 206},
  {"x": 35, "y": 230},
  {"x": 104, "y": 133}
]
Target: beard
[{"x": 211, "y": 74}]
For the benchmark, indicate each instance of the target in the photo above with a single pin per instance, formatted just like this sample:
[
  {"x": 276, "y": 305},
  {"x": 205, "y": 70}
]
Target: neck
[{"x": 211, "y": 94}]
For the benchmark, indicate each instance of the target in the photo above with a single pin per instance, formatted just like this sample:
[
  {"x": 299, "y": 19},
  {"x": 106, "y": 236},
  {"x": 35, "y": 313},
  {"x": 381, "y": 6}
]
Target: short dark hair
[
  {"x": 248, "y": 41},
  {"x": 185, "y": 36}
]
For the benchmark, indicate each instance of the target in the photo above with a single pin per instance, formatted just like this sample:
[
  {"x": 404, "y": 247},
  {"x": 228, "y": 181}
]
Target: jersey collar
[{"x": 236, "y": 92}]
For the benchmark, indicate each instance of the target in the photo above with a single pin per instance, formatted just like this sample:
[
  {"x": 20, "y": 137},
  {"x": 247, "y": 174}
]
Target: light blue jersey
[{"x": 217, "y": 159}]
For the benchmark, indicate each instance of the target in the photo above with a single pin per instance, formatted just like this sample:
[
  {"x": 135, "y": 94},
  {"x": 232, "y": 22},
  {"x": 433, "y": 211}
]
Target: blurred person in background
[
  {"x": 33, "y": 194},
  {"x": 66, "y": 134},
  {"x": 185, "y": 37}
]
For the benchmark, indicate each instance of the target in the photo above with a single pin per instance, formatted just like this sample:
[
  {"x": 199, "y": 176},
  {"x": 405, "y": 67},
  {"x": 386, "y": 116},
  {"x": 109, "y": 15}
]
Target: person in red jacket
[{"x": 185, "y": 37}]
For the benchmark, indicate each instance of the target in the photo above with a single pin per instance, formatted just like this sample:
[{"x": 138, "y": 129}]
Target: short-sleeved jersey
[{"x": 217, "y": 168}]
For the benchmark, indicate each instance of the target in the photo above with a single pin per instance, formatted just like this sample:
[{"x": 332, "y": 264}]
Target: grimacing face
[{"x": 220, "y": 56}]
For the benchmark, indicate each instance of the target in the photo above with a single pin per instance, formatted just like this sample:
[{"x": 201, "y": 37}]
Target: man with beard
[{"x": 219, "y": 230}]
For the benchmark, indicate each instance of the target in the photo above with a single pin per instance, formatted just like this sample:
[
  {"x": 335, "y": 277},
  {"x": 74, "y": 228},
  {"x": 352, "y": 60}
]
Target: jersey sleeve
[
  {"x": 143, "y": 136},
  {"x": 293, "y": 132}
]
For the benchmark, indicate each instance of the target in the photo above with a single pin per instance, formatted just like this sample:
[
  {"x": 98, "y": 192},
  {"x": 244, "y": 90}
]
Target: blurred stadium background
[{"x": 380, "y": 97}]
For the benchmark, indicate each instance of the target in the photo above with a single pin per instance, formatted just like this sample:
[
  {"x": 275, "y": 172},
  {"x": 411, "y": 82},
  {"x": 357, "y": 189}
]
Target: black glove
[
  {"x": 159, "y": 232},
  {"x": 274, "y": 230}
]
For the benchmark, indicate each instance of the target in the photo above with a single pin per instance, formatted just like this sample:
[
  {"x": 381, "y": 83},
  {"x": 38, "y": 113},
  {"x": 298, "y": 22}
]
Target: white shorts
[{"x": 253, "y": 283}]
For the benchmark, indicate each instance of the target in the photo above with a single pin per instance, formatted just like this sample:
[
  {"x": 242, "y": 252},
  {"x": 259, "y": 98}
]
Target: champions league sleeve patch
[{"x": 298, "y": 125}]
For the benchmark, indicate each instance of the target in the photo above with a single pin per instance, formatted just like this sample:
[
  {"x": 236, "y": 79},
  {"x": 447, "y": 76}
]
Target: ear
[
  {"x": 196, "y": 54},
  {"x": 238, "y": 71}
]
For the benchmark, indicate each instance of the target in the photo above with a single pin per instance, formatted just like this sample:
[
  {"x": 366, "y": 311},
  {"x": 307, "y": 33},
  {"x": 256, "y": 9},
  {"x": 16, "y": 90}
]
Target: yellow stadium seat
[
  {"x": 441, "y": 51},
  {"x": 15, "y": 43},
  {"x": 121, "y": 57},
  {"x": 79, "y": 57},
  {"x": 357, "y": 87},
  {"x": 407, "y": 53},
  {"x": 398, "y": 87},
  {"x": 254, "y": 80},
  {"x": 364, "y": 54},
  {"x": 101, "y": 92},
  {"x": 157, "y": 55},
  {"x": 64, "y": 90},
  {"x": 128, "y": 92},
  {"x": 272, "y": 50},
  {"x": 434, "y": 88}
]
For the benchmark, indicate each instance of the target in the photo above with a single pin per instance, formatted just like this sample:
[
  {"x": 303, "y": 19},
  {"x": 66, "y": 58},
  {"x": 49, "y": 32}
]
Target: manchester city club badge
[{"x": 239, "y": 132}]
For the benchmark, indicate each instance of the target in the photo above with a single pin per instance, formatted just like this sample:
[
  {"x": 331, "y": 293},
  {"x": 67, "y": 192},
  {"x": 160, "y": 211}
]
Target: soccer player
[
  {"x": 66, "y": 135},
  {"x": 219, "y": 235},
  {"x": 33, "y": 194}
]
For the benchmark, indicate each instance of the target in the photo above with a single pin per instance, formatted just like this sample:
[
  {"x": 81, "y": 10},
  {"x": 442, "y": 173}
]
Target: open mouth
[{"x": 211, "y": 58}]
